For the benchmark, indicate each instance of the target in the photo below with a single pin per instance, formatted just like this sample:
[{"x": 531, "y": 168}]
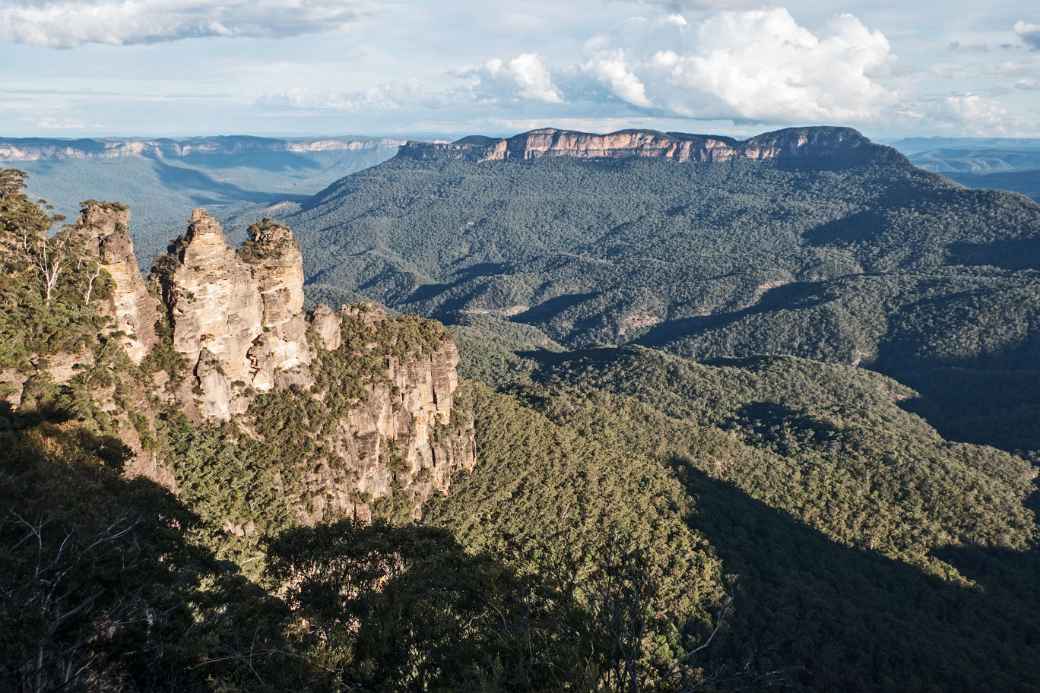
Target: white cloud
[
  {"x": 1029, "y": 33},
  {"x": 406, "y": 95},
  {"x": 611, "y": 70},
  {"x": 762, "y": 64},
  {"x": 69, "y": 23},
  {"x": 526, "y": 76},
  {"x": 977, "y": 114},
  {"x": 678, "y": 6},
  {"x": 753, "y": 69},
  {"x": 962, "y": 114}
]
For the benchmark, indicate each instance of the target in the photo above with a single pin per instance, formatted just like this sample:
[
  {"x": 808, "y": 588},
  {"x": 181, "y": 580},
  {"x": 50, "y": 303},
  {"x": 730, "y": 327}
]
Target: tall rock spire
[{"x": 103, "y": 233}]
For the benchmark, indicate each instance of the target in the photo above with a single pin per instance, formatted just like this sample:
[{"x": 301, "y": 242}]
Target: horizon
[{"x": 430, "y": 137}]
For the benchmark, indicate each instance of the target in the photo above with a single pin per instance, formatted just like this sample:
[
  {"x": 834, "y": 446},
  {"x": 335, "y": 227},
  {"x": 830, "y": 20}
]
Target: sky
[{"x": 71, "y": 68}]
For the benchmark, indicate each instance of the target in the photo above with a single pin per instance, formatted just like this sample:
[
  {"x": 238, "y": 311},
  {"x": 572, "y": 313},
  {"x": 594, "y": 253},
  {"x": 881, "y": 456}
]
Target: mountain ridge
[{"x": 840, "y": 145}]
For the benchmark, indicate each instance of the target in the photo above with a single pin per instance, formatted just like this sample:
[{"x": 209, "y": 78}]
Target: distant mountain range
[
  {"x": 1000, "y": 164},
  {"x": 44, "y": 149},
  {"x": 161, "y": 178}
]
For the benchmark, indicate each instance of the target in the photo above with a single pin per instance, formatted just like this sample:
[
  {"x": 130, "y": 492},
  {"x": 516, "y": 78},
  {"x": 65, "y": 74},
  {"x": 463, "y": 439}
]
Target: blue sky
[{"x": 304, "y": 67}]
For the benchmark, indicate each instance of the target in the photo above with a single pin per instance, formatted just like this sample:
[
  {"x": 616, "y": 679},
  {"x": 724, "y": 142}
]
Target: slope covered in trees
[
  {"x": 860, "y": 549},
  {"x": 875, "y": 262}
]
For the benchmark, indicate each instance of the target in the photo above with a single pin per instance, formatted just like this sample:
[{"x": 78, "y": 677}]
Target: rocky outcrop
[
  {"x": 406, "y": 433},
  {"x": 237, "y": 319},
  {"x": 350, "y": 410},
  {"x": 808, "y": 145},
  {"x": 102, "y": 234},
  {"x": 214, "y": 305},
  {"x": 281, "y": 354},
  {"x": 242, "y": 309},
  {"x": 326, "y": 324}
]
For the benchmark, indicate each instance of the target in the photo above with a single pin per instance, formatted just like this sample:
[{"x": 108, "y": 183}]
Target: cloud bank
[
  {"x": 756, "y": 65},
  {"x": 1029, "y": 33},
  {"x": 70, "y": 23}
]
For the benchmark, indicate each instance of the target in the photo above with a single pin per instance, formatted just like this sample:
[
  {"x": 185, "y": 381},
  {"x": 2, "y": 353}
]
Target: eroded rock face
[
  {"x": 214, "y": 304},
  {"x": 228, "y": 330},
  {"x": 823, "y": 144},
  {"x": 103, "y": 233},
  {"x": 238, "y": 320},
  {"x": 403, "y": 434},
  {"x": 326, "y": 323},
  {"x": 281, "y": 352},
  {"x": 243, "y": 308}
]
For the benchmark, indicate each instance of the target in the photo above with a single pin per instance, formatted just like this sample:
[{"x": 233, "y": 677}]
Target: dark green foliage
[
  {"x": 406, "y": 609},
  {"x": 43, "y": 284},
  {"x": 882, "y": 265},
  {"x": 866, "y": 551},
  {"x": 103, "y": 586},
  {"x": 565, "y": 496},
  {"x": 581, "y": 248}
]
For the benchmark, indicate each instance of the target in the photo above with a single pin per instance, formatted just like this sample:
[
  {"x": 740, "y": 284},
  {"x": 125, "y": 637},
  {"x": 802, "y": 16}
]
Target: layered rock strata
[
  {"x": 46, "y": 149},
  {"x": 792, "y": 144}
]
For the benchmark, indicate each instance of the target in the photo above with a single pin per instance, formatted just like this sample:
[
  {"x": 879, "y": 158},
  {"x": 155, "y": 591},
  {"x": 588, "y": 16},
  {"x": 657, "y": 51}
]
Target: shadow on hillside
[
  {"x": 855, "y": 228},
  {"x": 98, "y": 580},
  {"x": 794, "y": 296},
  {"x": 988, "y": 407},
  {"x": 547, "y": 310},
  {"x": 1016, "y": 254},
  {"x": 838, "y": 618},
  {"x": 205, "y": 190}
]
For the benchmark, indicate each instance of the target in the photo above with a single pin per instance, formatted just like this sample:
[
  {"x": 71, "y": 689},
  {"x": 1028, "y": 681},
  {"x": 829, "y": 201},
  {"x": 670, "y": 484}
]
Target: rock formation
[
  {"x": 281, "y": 351},
  {"x": 402, "y": 433},
  {"x": 228, "y": 327},
  {"x": 214, "y": 306},
  {"x": 237, "y": 319},
  {"x": 811, "y": 144},
  {"x": 102, "y": 233}
]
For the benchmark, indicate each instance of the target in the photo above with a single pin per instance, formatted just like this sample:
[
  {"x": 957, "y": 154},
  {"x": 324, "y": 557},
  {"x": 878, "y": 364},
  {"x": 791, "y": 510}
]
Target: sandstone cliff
[
  {"x": 810, "y": 144},
  {"x": 354, "y": 406},
  {"x": 104, "y": 231}
]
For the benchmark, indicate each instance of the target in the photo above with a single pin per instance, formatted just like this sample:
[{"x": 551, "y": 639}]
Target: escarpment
[
  {"x": 351, "y": 409},
  {"x": 820, "y": 145}
]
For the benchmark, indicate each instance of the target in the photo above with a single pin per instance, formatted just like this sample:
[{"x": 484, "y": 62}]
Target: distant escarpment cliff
[
  {"x": 835, "y": 145},
  {"x": 46, "y": 149},
  {"x": 211, "y": 366}
]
